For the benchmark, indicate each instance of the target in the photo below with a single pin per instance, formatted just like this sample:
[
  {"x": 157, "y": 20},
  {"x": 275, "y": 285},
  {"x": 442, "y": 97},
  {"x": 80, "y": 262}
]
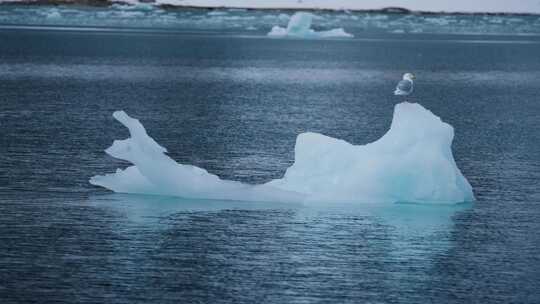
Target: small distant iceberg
[
  {"x": 53, "y": 13},
  {"x": 217, "y": 13},
  {"x": 299, "y": 26},
  {"x": 133, "y": 5},
  {"x": 412, "y": 162}
]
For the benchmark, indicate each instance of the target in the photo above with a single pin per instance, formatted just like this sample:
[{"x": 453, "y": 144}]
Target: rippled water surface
[{"x": 233, "y": 104}]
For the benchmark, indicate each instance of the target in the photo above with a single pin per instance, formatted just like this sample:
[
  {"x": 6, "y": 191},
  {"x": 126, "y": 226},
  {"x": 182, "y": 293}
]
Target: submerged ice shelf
[
  {"x": 412, "y": 162},
  {"x": 299, "y": 26}
]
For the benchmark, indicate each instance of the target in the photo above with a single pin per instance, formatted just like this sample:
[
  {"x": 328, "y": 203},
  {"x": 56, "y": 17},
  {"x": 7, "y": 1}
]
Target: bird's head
[{"x": 409, "y": 76}]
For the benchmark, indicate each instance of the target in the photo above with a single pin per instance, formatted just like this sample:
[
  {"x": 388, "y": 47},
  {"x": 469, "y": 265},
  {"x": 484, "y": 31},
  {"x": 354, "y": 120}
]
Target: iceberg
[
  {"x": 299, "y": 26},
  {"x": 412, "y": 162},
  {"x": 153, "y": 172}
]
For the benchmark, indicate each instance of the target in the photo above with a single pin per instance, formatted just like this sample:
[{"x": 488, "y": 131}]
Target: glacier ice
[
  {"x": 156, "y": 173},
  {"x": 412, "y": 162},
  {"x": 299, "y": 26}
]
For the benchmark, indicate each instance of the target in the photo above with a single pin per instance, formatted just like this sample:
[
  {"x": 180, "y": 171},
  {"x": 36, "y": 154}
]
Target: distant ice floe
[
  {"x": 300, "y": 26},
  {"x": 52, "y": 14},
  {"x": 412, "y": 162},
  {"x": 217, "y": 13},
  {"x": 134, "y": 5}
]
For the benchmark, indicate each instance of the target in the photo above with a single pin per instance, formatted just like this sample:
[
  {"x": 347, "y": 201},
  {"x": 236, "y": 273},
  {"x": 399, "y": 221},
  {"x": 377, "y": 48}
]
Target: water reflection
[
  {"x": 243, "y": 252},
  {"x": 405, "y": 218},
  {"x": 154, "y": 209}
]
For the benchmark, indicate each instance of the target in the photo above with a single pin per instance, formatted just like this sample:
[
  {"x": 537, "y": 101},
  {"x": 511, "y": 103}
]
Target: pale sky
[{"x": 515, "y": 6}]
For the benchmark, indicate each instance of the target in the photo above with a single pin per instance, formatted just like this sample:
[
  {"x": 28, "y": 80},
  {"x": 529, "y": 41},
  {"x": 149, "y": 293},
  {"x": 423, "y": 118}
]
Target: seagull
[{"x": 405, "y": 86}]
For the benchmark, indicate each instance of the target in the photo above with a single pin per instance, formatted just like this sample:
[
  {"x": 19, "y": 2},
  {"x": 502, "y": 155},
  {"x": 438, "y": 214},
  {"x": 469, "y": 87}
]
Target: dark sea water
[{"x": 234, "y": 104}]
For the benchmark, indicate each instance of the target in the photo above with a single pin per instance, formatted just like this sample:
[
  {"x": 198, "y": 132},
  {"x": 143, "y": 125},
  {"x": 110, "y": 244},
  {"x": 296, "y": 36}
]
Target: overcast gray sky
[{"x": 525, "y": 6}]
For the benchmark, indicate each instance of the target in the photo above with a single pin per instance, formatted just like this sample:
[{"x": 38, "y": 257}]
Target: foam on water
[{"x": 412, "y": 162}]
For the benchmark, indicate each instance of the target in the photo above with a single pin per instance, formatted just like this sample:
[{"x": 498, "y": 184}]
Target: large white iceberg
[
  {"x": 412, "y": 162},
  {"x": 300, "y": 26}
]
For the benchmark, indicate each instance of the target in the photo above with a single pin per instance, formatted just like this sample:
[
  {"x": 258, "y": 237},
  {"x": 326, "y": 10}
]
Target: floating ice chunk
[
  {"x": 133, "y": 5},
  {"x": 130, "y": 14},
  {"x": 144, "y": 6},
  {"x": 278, "y": 31},
  {"x": 412, "y": 162},
  {"x": 338, "y": 32},
  {"x": 299, "y": 23},
  {"x": 217, "y": 13},
  {"x": 53, "y": 14},
  {"x": 284, "y": 17},
  {"x": 300, "y": 26},
  {"x": 156, "y": 173}
]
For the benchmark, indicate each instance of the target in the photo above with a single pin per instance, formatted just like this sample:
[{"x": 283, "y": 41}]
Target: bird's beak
[{"x": 413, "y": 77}]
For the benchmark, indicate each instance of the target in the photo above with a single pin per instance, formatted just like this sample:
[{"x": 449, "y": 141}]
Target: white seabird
[{"x": 405, "y": 86}]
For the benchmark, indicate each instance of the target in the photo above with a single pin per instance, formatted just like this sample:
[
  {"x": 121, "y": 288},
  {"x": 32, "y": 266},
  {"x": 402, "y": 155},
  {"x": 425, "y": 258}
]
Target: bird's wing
[{"x": 404, "y": 86}]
